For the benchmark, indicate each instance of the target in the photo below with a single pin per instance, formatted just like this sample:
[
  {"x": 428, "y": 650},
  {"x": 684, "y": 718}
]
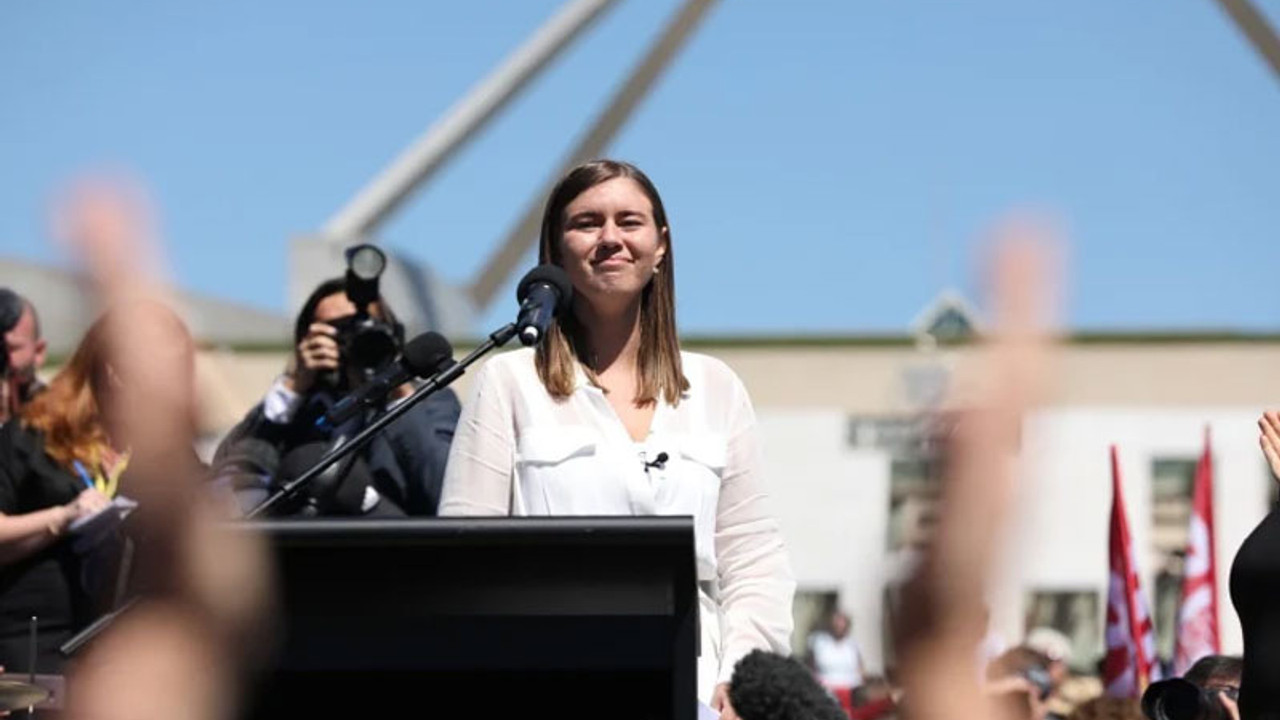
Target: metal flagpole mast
[{"x": 391, "y": 187}]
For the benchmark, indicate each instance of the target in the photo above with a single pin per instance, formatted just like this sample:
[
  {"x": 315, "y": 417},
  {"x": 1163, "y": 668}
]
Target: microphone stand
[
  {"x": 440, "y": 380},
  {"x": 434, "y": 384}
]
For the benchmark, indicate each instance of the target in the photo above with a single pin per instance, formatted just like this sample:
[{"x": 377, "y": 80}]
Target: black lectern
[{"x": 502, "y": 617}]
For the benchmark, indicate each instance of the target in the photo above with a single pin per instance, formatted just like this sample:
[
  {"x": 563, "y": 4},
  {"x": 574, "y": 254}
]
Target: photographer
[
  {"x": 1208, "y": 691},
  {"x": 344, "y": 333},
  {"x": 24, "y": 353}
]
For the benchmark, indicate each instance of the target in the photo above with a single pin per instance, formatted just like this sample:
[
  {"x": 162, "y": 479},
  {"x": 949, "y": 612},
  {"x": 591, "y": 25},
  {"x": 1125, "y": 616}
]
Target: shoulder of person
[
  {"x": 512, "y": 365},
  {"x": 253, "y": 426},
  {"x": 23, "y": 456},
  {"x": 710, "y": 373},
  {"x": 438, "y": 405},
  {"x": 447, "y": 397},
  {"x": 10, "y": 437},
  {"x": 18, "y": 442},
  {"x": 705, "y": 363}
]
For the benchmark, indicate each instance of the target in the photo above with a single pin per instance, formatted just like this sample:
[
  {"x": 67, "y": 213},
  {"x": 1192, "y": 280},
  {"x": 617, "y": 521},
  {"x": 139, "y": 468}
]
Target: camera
[
  {"x": 10, "y": 313},
  {"x": 367, "y": 343},
  {"x": 1178, "y": 699},
  {"x": 1041, "y": 680}
]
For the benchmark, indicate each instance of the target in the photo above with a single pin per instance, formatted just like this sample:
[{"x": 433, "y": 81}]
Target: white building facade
[
  {"x": 839, "y": 419},
  {"x": 834, "y": 500}
]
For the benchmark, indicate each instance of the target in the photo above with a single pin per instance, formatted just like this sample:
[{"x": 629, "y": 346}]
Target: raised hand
[
  {"x": 180, "y": 652},
  {"x": 944, "y": 608},
  {"x": 1269, "y": 439}
]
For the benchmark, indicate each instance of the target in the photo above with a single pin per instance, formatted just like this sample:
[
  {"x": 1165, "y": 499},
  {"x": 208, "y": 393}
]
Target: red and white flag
[
  {"x": 1130, "y": 664},
  {"x": 1198, "y": 607}
]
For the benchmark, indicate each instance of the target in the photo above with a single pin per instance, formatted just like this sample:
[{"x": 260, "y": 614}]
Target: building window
[
  {"x": 1073, "y": 613},
  {"x": 810, "y": 611},
  {"x": 913, "y": 502},
  {"x": 1172, "y": 480},
  {"x": 949, "y": 318}
]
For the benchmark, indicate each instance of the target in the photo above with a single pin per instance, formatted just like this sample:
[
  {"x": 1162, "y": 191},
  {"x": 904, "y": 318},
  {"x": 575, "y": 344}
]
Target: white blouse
[{"x": 517, "y": 451}]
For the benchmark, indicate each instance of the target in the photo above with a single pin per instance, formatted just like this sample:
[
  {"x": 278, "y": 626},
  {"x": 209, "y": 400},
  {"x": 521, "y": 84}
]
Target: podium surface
[{"x": 568, "y": 617}]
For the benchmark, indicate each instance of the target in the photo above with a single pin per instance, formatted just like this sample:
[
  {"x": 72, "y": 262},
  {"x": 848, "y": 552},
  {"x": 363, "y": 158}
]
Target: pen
[{"x": 84, "y": 475}]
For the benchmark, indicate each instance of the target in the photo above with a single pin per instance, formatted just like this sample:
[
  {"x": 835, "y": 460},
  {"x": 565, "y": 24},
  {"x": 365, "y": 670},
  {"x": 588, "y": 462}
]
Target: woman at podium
[{"x": 609, "y": 417}]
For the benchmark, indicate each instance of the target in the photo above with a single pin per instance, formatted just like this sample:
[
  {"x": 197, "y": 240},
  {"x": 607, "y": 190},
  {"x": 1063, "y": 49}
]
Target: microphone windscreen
[
  {"x": 299, "y": 459},
  {"x": 552, "y": 275},
  {"x": 427, "y": 354},
  {"x": 248, "y": 455},
  {"x": 340, "y": 495},
  {"x": 768, "y": 686}
]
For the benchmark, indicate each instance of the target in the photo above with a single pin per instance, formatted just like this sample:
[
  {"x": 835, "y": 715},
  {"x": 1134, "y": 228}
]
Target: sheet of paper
[
  {"x": 706, "y": 713},
  {"x": 105, "y": 518}
]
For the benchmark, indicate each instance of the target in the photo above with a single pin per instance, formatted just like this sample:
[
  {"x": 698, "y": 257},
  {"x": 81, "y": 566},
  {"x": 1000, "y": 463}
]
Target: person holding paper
[
  {"x": 58, "y": 466},
  {"x": 610, "y": 417}
]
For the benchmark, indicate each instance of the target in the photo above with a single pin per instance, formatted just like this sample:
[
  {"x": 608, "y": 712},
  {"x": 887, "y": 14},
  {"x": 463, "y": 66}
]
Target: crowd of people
[
  {"x": 606, "y": 416},
  {"x": 1031, "y": 680}
]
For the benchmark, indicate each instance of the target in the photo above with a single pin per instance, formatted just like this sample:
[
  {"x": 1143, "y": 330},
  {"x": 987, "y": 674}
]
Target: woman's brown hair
[{"x": 659, "y": 368}]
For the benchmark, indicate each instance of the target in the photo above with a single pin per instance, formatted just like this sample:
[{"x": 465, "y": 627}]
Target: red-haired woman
[{"x": 59, "y": 461}]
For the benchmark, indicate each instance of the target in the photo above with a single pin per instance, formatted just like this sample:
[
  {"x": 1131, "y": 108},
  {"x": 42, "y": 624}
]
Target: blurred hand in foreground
[
  {"x": 944, "y": 612},
  {"x": 181, "y": 652}
]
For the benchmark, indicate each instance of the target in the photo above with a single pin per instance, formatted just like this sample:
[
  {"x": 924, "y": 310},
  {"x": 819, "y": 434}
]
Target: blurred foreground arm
[
  {"x": 179, "y": 653},
  {"x": 943, "y": 616}
]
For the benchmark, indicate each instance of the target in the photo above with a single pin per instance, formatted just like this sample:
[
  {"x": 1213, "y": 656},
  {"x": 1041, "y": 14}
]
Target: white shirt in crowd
[
  {"x": 836, "y": 660},
  {"x": 517, "y": 451}
]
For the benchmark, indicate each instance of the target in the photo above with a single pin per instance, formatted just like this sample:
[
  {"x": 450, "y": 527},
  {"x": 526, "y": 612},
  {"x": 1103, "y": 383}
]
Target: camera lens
[
  {"x": 371, "y": 346},
  {"x": 1174, "y": 699},
  {"x": 366, "y": 262}
]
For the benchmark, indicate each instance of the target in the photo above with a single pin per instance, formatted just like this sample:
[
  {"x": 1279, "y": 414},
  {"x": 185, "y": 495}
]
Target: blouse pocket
[
  {"x": 555, "y": 469},
  {"x": 708, "y": 450},
  {"x": 547, "y": 446},
  {"x": 702, "y": 460}
]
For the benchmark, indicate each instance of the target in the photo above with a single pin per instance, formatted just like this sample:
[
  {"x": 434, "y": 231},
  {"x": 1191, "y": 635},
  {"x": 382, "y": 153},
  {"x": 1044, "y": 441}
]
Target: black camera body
[
  {"x": 1178, "y": 699},
  {"x": 366, "y": 343}
]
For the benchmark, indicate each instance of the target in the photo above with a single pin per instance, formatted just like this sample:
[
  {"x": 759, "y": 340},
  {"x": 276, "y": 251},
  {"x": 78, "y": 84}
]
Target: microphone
[
  {"x": 340, "y": 488},
  {"x": 544, "y": 293},
  {"x": 767, "y": 686},
  {"x": 423, "y": 356},
  {"x": 659, "y": 462}
]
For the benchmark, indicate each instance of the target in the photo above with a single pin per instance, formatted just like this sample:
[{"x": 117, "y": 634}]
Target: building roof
[{"x": 61, "y": 300}]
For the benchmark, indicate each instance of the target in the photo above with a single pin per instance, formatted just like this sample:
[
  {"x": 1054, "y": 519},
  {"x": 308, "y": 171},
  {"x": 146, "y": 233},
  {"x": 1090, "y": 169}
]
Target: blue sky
[{"x": 827, "y": 166}]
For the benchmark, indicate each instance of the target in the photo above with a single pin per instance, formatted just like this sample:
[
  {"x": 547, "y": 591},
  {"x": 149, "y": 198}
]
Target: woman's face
[{"x": 611, "y": 244}]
